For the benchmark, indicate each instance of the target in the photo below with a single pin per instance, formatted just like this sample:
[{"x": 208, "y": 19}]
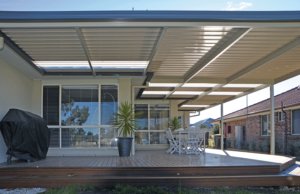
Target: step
[
  {"x": 186, "y": 181},
  {"x": 144, "y": 171}
]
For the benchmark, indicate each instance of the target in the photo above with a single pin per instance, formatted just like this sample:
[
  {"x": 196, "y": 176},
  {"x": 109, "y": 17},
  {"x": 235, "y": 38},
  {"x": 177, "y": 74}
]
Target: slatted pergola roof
[{"x": 199, "y": 58}]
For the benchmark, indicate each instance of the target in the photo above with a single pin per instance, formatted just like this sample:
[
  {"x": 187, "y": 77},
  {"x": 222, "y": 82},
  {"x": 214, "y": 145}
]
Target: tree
[
  {"x": 203, "y": 126},
  {"x": 77, "y": 117},
  {"x": 216, "y": 129}
]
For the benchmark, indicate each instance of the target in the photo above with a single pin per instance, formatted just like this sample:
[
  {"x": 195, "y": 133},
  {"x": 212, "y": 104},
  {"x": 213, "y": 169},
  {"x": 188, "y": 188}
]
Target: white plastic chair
[
  {"x": 174, "y": 145},
  {"x": 195, "y": 138}
]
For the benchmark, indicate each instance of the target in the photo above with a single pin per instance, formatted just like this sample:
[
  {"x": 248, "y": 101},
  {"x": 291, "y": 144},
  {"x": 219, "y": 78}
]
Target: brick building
[{"x": 287, "y": 122}]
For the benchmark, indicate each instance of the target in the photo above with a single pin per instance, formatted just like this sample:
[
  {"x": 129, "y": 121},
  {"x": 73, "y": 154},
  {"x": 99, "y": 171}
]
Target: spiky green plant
[
  {"x": 175, "y": 123},
  {"x": 125, "y": 120}
]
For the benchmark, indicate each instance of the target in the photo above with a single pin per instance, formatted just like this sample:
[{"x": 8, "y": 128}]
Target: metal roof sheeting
[
  {"x": 289, "y": 98},
  {"x": 207, "y": 16}
]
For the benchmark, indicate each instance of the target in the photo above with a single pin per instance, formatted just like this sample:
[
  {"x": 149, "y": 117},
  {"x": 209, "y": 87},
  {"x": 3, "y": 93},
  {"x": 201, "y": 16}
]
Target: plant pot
[{"x": 124, "y": 146}]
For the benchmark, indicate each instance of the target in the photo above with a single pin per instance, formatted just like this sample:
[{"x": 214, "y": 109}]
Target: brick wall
[{"x": 254, "y": 127}]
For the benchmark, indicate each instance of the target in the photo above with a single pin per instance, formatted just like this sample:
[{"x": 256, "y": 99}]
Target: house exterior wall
[
  {"x": 15, "y": 92},
  {"x": 254, "y": 126}
]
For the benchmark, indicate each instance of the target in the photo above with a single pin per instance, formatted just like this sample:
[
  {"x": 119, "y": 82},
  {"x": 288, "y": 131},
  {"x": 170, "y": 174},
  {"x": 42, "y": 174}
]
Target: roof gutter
[{"x": 196, "y": 114}]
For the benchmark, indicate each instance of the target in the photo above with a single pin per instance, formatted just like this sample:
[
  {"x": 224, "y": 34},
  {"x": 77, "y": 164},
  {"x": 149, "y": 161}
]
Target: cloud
[{"x": 231, "y": 6}]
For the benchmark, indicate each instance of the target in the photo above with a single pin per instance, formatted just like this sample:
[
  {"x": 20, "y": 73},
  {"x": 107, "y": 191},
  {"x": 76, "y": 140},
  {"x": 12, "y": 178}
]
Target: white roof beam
[
  {"x": 287, "y": 76},
  {"x": 213, "y": 55},
  {"x": 214, "y": 80},
  {"x": 238, "y": 96},
  {"x": 161, "y": 35},
  {"x": 79, "y": 34}
]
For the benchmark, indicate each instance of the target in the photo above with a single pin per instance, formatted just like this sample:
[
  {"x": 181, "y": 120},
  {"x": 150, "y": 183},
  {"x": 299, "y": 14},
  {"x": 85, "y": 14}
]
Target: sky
[{"x": 226, "y": 5}]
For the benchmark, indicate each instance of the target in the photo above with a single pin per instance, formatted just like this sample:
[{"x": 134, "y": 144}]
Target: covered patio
[
  {"x": 186, "y": 60},
  {"x": 169, "y": 64}
]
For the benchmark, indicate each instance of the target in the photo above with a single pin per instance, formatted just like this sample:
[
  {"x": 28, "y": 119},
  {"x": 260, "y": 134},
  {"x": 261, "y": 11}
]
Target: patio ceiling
[{"x": 200, "y": 61}]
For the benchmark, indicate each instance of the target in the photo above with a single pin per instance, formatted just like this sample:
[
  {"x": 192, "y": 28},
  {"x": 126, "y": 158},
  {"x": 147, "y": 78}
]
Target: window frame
[
  {"x": 292, "y": 122},
  {"x": 282, "y": 116},
  {"x": 99, "y": 126},
  {"x": 149, "y": 130},
  {"x": 261, "y": 124}
]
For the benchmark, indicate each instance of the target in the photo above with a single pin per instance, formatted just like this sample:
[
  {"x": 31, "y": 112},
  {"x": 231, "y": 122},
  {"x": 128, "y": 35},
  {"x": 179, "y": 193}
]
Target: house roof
[
  {"x": 198, "y": 58},
  {"x": 289, "y": 98},
  {"x": 208, "y": 16}
]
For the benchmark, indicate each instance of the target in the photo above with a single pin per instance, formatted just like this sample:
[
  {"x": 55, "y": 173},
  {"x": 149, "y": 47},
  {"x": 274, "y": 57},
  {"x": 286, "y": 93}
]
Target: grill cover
[{"x": 26, "y": 135}]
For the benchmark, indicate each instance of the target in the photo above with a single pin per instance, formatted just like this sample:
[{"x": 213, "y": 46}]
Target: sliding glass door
[{"x": 153, "y": 122}]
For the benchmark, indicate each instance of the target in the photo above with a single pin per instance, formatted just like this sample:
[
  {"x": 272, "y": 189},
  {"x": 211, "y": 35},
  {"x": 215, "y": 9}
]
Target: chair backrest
[
  {"x": 193, "y": 134},
  {"x": 169, "y": 134}
]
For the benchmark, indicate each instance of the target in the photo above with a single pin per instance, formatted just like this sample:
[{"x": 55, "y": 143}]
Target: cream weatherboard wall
[{"x": 15, "y": 92}]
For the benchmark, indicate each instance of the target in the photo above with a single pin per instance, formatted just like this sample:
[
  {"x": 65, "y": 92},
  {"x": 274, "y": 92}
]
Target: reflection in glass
[
  {"x": 108, "y": 137},
  {"x": 143, "y": 120},
  {"x": 159, "y": 116},
  {"x": 141, "y": 138},
  {"x": 109, "y": 103},
  {"x": 54, "y": 138},
  {"x": 51, "y": 104},
  {"x": 158, "y": 138},
  {"x": 79, "y": 106},
  {"x": 80, "y": 137}
]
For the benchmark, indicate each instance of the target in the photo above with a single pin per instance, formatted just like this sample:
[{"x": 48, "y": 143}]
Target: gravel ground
[{"x": 22, "y": 191}]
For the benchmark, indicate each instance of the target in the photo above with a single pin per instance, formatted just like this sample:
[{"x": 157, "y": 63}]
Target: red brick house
[{"x": 287, "y": 122}]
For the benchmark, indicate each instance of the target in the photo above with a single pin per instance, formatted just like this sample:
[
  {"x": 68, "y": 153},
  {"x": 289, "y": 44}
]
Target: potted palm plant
[
  {"x": 125, "y": 121},
  {"x": 175, "y": 124}
]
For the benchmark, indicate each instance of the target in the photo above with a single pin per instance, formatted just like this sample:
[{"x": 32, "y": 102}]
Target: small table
[{"x": 185, "y": 133}]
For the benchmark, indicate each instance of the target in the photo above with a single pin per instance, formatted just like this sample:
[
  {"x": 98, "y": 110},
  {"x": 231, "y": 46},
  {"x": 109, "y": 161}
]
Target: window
[
  {"x": 51, "y": 104},
  {"x": 296, "y": 122},
  {"x": 109, "y": 103},
  {"x": 79, "y": 106},
  {"x": 143, "y": 120},
  {"x": 84, "y": 118},
  {"x": 80, "y": 137},
  {"x": 280, "y": 116},
  {"x": 265, "y": 125},
  {"x": 153, "y": 122}
]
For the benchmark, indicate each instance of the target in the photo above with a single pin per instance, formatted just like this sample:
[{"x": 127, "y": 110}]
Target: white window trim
[
  {"x": 261, "y": 124},
  {"x": 99, "y": 109}
]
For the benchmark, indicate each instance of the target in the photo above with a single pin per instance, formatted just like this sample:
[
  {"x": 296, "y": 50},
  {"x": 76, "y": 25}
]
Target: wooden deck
[
  {"x": 212, "y": 157},
  {"x": 215, "y": 168}
]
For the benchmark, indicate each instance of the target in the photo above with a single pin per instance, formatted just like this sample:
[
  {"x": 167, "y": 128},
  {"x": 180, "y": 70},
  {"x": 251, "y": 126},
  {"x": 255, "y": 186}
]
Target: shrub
[
  {"x": 267, "y": 145},
  {"x": 88, "y": 187},
  {"x": 293, "y": 148},
  {"x": 260, "y": 146},
  {"x": 245, "y": 145},
  {"x": 228, "y": 142},
  {"x": 234, "y": 142},
  {"x": 278, "y": 147},
  {"x": 252, "y": 145}
]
